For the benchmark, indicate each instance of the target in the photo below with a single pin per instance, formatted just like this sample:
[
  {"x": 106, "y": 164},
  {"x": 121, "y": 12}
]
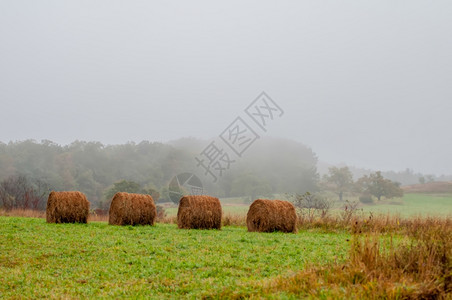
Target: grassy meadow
[
  {"x": 405, "y": 254},
  {"x": 414, "y": 204},
  {"x": 40, "y": 260}
]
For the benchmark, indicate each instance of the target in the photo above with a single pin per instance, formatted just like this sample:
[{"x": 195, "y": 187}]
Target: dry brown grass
[
  {"x": 29, "y": 213},
  {"x": 97, "y": 218},
  {"x": 199, "y": 212},
  {"x": 369, "y": 223},
  {"x": 271, "y": 215},
  {"x": 438, "y": 187},
  {"x": 235, "y": 219},
  {"x": 415, "y": 264},
  {"x": 93, "y": 216},
  {"x": 168, "y": 220},
  {"x": 132, "y": 209},
  {"x": 26, "y": 213},
  {"x": 67, "y": 207}
]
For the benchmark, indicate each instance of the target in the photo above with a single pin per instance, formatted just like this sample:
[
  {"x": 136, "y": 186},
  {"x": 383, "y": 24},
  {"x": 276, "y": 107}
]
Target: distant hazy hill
[
  {"x": 277, "y": 149},
  {"x": 406, "y": 177},
  {"x": 441, "y": 187}
]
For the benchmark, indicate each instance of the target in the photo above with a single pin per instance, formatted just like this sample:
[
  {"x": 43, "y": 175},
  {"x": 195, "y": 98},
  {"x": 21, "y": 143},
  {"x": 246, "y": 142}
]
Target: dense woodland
[
  {"x": 30, "y": 169},
  {"x": 272, "y": 166}
]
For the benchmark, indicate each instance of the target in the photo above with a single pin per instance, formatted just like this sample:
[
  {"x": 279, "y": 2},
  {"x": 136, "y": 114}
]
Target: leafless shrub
[
  {"x": 21, "y": 192},
  {"x": 311, "y": 206},
  {"x": 349, "y": 210}
]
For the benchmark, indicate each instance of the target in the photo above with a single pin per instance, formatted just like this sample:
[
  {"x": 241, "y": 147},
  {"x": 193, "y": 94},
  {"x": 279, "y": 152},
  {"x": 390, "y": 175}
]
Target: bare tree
[
  {"x": 311, "y": 205},
  {"x": 20, "y": 192},
  {"x": 349, "y": 210}
]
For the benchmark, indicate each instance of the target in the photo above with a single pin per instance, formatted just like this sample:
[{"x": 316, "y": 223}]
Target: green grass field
[
  {"x": 415, "y": 204},
  {"x": 40, "y": 260},
  {"x": 96, "y": 260},
  {"x": 409, "y": 205}
]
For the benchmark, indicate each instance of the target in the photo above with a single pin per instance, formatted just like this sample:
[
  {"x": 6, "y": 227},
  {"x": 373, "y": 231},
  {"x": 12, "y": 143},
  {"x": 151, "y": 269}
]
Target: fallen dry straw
[
  {"x": 67, "y": 207},
  {"x": 231, "y": 219},
  {"x": 414, "y": 265},
  {"x": 199, "y": 212},
  {"x": 271, "y": 215},
  {"x": 26, "y": 213},
  {"x": 132, "y": 209}
]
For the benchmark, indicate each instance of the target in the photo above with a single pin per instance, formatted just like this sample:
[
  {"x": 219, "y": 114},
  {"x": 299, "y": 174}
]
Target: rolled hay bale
[
  {"x": 67, "y": 207},
  {"x": 271, "y": 215},
  {"x": 199, "y": 212},
  {"x": 132, "y": 209}
]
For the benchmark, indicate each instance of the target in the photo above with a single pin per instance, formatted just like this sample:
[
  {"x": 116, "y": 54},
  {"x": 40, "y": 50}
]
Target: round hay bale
[
  {"x": 132, "y": 209},
  {"x": 271, "y": 215},
  {"x": 67, "y": 207},
  {"x": 199, "y": 212}
]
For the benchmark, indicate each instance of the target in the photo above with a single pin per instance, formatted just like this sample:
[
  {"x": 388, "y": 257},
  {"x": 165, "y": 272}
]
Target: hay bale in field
[
  {"x": 271, "y": 215},
  {"x": 199, "y": 212},
  {"x": 132, "y": 209},
  {"x": 67, "y": 207}
]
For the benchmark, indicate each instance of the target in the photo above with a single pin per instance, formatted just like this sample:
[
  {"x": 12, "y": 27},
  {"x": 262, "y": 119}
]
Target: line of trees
[
  {"x": 30, "y": 169},
  {"x": 340, "y": 181},
  {"x": 19, "y": 191}
]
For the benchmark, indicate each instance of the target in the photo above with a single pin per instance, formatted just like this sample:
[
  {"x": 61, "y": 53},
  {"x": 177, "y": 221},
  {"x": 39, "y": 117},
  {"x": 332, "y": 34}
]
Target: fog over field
[{"x": 367, "y": 84}]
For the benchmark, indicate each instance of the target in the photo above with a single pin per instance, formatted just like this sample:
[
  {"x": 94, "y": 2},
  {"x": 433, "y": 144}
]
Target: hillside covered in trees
[{"x": 271, "y": 166}]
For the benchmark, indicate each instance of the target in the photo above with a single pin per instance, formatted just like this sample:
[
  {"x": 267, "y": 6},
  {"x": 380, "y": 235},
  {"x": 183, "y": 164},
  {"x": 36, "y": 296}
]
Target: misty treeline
[
  {"x": 19, "y": 191},
  {"x": 270, "y": 166},
  {"x": 29, "y": 170},
  {"x": 340, "y": 181},
  {"x": 406, "y": 177}
]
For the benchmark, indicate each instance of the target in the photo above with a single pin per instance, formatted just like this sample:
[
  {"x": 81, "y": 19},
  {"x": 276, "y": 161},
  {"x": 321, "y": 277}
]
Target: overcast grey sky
[{"x": 367, "y": 83}]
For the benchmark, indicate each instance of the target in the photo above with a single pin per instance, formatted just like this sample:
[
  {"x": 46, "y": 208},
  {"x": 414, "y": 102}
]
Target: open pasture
[
  {"x": 414, "y": 204},
  {"x": 97, "y": 260},
  {"x": 410, "y": 205}
]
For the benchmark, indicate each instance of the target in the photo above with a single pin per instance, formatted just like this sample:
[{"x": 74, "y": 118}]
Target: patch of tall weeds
[{"x": 414, "y": 263}]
